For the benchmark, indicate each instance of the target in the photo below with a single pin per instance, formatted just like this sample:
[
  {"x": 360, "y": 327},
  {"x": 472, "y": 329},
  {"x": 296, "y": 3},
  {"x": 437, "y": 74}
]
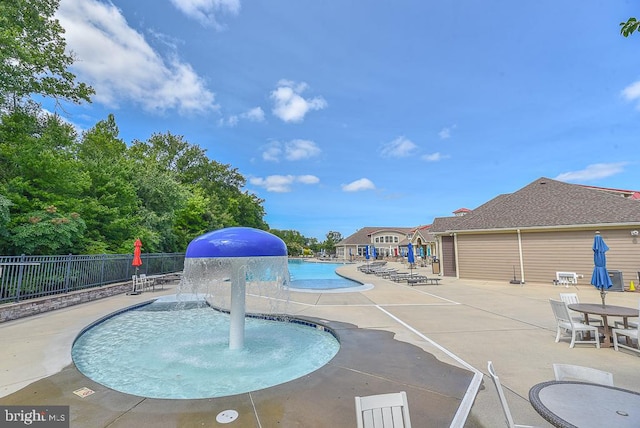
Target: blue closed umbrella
[
  {"x": 600, "y": 277},
  {"x": 366, "y": 256},
  {"x": 410, "y": 257},
  {"x": 374, "y": 253},
  {"x": 421, "y": 252}
]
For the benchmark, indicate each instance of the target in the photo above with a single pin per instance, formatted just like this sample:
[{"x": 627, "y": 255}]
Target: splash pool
[{"x": 172, "y": 350}]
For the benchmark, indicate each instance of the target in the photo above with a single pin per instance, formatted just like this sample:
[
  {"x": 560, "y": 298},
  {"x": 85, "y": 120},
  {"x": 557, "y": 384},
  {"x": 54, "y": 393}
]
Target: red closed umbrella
[{"x": 137, "y": 250}]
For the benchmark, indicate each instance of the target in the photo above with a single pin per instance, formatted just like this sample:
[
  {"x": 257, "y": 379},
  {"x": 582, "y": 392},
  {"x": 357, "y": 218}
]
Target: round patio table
[
  {"x": 605, "y": 311},
  {"x": 584, "y": 405}
]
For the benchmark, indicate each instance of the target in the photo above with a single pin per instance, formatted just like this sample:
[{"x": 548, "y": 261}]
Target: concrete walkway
[{"x": 461, "y": 323}]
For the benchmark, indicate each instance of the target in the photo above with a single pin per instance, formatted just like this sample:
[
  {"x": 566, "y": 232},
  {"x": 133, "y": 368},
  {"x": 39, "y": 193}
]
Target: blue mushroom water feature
[{"x": 220, "y": 264}]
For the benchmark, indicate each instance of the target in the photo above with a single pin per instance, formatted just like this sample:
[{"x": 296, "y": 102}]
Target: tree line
[
  {"x": 90, "y": 194},
  {"x": 61, "y": 192}
]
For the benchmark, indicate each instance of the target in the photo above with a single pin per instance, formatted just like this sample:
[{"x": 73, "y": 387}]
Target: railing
[{"x": 28, "y": 277}]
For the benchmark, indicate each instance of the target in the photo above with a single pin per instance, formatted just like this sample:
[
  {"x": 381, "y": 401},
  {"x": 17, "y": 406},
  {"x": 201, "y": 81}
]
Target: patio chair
[
  {"x": 581, "y": 373},
  {"x": 503, "y": 399},
  {"x": 136, "y": 286},
  {"x": 631, "y": 333},
  {"x": 630, "y": 324},
  {"x": 147, "y": 282},
  {"x": 383, "y": 411},
  {"x": 572, "y": 298},
  {"x": 567, "y": 324}
]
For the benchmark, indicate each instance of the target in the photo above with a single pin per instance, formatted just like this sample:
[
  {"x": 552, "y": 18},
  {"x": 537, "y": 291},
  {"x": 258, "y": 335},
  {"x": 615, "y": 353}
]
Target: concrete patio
[{"x": 429, "y": 340}]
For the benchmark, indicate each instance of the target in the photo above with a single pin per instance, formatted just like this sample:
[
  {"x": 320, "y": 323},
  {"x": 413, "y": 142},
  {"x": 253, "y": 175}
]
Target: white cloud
[
  {"x": 282, "y": 183},
  {"x": 308, "y": 179},
  {"x": 593, "y": 172},
  {"x": 122, "y": 67},
  {"x": 399, "y": 148},
  {"x": 289, "y": 104},
  {"x": 445, "y": 133},
  {"x": 632, "y": 92},
  {"x": 256, "y": 114},
  {"x": 434, "y": 157},
  {"x": 272, "y": 152},
  {"x": 358, "y": 185},
  {"x": 301, "y": 149},
  {"x": 293, "y": 150},
  {"x": 231, "y": 121},
  {"x": 206, "y": 11}
]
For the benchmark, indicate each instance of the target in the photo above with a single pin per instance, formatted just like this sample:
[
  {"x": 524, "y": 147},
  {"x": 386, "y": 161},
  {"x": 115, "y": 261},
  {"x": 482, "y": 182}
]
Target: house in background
[
  {"x": 389, "y": 242},
  {"x": 386, "y": 240},
  {"x": 546, "y": 227},
  {"x": 423, "y": 241}
]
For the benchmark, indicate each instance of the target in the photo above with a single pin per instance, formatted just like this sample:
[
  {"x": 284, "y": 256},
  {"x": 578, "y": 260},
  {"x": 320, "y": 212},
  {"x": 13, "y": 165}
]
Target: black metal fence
[{"x": 26, "y": 277}]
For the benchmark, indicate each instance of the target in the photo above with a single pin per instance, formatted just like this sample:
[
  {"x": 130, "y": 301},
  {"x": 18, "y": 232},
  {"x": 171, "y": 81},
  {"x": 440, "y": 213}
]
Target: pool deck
[{"x": 429, "y": 340}]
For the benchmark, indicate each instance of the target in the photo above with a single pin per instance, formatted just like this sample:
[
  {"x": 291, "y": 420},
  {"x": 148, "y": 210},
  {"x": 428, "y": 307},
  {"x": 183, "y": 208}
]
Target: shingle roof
[
  {"x": 361, "y": 237},
  {"x": 545, "y": 203},
  {"x": 442, "y": 224}
]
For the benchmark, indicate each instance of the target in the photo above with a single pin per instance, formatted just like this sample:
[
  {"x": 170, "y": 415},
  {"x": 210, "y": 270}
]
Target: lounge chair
[{"x": 399, "y": 276}]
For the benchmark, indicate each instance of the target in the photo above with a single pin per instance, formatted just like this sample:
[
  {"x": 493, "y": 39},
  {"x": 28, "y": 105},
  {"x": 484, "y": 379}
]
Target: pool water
[
  {"x": 317, "y": 276},
  {"x": 159, "y": 351}
]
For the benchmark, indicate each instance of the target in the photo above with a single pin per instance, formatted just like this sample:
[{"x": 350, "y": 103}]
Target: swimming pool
[{"x": 319, "y": 276}]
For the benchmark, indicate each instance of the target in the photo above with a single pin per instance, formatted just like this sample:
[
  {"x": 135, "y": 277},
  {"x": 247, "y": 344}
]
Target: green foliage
[
  {"x": 93, "y": 195},
  {"x": 46, "y": 232},
  {"x": 329, "y": 245},
  {"x": 629, "y": 27},
  {"x": 293, "y": 239},
  {"x": 5, "y": 216},
  {"x": 32, "y": 54},
  {"x": 110, "y": 203}
]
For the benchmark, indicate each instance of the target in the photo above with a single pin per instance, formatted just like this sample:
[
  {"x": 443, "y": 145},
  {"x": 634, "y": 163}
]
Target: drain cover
[{"x": 227, "y": 416}]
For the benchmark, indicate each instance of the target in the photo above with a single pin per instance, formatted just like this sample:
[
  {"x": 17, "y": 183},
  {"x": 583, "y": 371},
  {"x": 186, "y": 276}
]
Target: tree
[
  {"x": 47, "y": 232},
  {"x": 629, "y": 27},
  {"x": 32, "y": 54},
  {"x": 329, "y": 245},
  {"x": 293, "y": 240},
  {"x": 221, "y": 184},
  {"x": 111, "y": 204},
  {"x": 5, "y": 216}
]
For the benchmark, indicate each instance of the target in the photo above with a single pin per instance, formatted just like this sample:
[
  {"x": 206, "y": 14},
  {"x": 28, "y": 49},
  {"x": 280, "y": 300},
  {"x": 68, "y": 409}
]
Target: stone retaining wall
[{"x": 25, "y": 308}]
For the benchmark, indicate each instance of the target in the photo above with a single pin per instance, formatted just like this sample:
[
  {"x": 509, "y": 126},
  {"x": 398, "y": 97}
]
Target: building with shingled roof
[{"x": 546, "y": 227}]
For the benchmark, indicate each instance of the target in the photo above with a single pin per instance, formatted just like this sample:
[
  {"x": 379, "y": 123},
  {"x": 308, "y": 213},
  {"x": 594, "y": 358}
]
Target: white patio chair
[
  {"x": 630, "y": 324},
  {"x": 567, "y": 324},
  {"x": 633, "y": 333},
  {"x": 572, "y": 298},
  {"x": 135, "y": 286},
  {"x": 147, "y": 282},
  {"x": 583, "y": 374},
  {"x": 383, "y": 411},
  {"x": 503, "y": 399}
]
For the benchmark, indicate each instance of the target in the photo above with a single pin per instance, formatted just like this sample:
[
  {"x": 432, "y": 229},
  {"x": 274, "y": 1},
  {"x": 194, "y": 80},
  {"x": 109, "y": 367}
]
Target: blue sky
[{"x": 350, "y": 113}]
